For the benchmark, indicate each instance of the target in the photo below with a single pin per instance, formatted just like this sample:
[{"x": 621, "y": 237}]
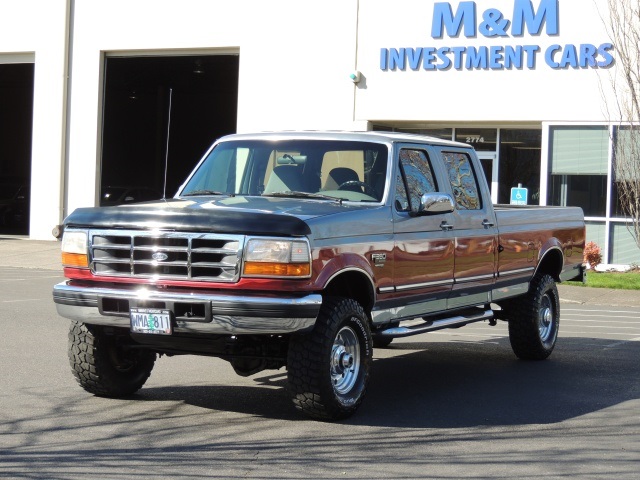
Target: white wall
[
  {"x": 513, "y": 95},
  {"x": 295, "y": 61},
  {"x": 35, "y": 30}
]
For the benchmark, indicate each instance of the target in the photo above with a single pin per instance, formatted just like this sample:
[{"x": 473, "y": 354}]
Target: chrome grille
[{"x": 169, "y": 255}]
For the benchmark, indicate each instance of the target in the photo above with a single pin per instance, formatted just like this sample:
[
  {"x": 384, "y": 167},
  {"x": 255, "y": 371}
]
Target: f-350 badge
[{"x": 378, "y": 259}]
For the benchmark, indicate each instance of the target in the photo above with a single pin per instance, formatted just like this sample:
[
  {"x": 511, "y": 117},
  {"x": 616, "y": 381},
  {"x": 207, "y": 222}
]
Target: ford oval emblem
[{"x": 159, "y": 256}]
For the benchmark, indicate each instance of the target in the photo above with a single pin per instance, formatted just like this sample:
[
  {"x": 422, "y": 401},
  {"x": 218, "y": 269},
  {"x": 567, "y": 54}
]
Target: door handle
[
  {"x": 487, "y": 223},
  {"x": 446, "y": 226}
]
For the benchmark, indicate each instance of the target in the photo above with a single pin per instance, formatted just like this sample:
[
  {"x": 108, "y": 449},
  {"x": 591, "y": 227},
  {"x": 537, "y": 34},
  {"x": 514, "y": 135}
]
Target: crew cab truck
[{"x": 306, "y": 250}]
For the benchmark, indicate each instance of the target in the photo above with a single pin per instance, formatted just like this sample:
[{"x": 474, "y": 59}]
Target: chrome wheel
[
  {"x": 545, "y": 318},
  {"x": 345, "y": 361}
]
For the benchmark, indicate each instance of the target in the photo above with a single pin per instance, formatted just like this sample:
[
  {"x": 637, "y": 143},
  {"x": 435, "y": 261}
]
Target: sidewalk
[
  {"x": 24, "y": 253},
  {"x": 599, "y": 296}
]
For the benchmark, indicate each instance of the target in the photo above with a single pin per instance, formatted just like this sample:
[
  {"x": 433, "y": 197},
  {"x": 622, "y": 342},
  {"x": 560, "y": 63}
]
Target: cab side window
[
  {"x": 415, "y": 178},
  {"x": 464, "y": 182}
]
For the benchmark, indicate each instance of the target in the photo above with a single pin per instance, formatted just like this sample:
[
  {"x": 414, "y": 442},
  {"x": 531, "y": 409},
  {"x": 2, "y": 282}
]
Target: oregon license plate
[{"x": 150, "y": 320}]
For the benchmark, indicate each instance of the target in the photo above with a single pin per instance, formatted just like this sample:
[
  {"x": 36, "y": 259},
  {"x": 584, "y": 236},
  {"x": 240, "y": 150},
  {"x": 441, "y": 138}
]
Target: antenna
[{"x": 166, "y": 150}]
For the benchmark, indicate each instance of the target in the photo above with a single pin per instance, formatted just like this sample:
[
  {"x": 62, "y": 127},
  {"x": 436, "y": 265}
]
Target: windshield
[{"x": 352, "y": 171}]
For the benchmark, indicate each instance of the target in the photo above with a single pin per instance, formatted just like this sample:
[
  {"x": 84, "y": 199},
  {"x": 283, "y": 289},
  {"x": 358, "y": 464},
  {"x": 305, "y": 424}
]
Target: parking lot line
[{"x": 622, "y": 342}]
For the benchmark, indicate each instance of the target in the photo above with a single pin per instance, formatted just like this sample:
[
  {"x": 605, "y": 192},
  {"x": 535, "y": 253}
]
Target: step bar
[{"x": 429, "y": 325}]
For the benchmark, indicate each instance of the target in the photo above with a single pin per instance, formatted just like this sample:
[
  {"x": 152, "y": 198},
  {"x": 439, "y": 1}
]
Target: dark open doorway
[
  {"x": 16, "y": 118},
  {"x": 194, "y": 98}
]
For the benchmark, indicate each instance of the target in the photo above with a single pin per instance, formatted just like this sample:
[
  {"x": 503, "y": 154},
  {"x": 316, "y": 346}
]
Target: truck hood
[{"x": 238, "y": 215}]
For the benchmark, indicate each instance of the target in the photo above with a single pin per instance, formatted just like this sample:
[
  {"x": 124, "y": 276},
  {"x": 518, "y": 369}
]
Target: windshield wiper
[
  {"x": 206, "y": 192},
  {"x": 295, "y": 194}
]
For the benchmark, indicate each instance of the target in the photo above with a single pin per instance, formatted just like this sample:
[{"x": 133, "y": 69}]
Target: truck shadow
[
  {"x": 466, "y": 385},
  {"x": 455, "y": 385}
]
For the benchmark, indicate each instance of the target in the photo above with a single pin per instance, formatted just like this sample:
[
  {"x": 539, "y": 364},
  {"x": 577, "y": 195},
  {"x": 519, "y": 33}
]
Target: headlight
[
  {"x": 277, "y": 258},
  {"x": 75, "y": 249}
]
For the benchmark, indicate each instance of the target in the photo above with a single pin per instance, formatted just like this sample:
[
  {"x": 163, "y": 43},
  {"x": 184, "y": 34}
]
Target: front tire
[
  {"x": 104, "y": 365},
  {"x": 328, "y": 369},
  {"x": 534, "y": 320}
]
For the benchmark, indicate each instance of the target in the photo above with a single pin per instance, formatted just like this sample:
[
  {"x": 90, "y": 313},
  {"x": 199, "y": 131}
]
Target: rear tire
[
  {"x": 328, "y": 369},
  {"x": 534, "y": 320},
  {"x": 103, "y": 365}
]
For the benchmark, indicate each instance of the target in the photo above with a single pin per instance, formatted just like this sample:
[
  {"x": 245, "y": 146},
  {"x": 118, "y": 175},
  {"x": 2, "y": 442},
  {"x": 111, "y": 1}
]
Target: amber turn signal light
[
  {"x": 75, "y": 260},
  {"x": 269, "y": 269}
]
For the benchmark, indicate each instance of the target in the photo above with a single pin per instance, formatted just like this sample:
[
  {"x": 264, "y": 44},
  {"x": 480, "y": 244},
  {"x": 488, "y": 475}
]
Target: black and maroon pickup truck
[{"x": 306, "y": 250}]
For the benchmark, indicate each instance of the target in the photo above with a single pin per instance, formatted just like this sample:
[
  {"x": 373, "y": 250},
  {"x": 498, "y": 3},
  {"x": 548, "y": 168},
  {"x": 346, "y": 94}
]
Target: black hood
[{"x": 239, "y": 215}]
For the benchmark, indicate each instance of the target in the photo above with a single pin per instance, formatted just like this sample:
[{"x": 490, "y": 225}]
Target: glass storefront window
[
  {"x": 519, "y": 163},
  {"x": 578, "y": 175},
  {"x": 596, "y": 232},
  {"x": 625, "y": 186},
  {"x": 442, "y": 133},
  {"x": 482, "y": 139},
  {"x": 623, "y": 247},
  {"x": 586, "y": 191}
]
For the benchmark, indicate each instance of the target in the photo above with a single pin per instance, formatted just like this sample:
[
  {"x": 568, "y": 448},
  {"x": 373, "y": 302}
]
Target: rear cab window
[{"x": 463, "y": 180}]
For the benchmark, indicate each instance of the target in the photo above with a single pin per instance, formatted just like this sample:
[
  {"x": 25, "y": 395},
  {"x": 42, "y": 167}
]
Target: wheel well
[
  {"x": 355, "y": 285},
  {"x": 551, "y": 263}
]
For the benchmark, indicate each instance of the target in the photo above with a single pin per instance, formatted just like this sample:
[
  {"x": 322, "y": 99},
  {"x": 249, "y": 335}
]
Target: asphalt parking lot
[{"x": 449, "y": 404}]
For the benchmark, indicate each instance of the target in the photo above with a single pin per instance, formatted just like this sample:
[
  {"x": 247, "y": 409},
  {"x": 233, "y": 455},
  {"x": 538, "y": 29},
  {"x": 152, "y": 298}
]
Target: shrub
[{"x": 592, "y": 254}]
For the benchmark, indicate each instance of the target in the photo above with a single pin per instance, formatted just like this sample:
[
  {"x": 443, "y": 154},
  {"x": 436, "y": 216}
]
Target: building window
[
  {"x": 578, "y": 175},
  {"x": 586, "y": 191},
  {"x": 596, "y": 232},
  {"x": 442, "y": 133},
  {"x": 623, "y": 247},
  {"x": 482, "y": 139},
  {"x": 519, "y": 163},
  {"x": 625, "y": 178}
]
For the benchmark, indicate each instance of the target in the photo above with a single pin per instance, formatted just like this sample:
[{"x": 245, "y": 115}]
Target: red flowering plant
[{"x": 592, "y": 254}]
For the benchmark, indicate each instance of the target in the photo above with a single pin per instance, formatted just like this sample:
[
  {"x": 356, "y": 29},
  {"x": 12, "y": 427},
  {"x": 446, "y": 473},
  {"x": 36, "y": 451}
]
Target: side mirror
[{"x": 434, "y": 203}]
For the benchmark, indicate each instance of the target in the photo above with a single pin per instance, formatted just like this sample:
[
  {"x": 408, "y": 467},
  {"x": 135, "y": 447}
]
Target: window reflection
[
  {"x": 463, "y": 180},
  {"x": 519, "y": 163},
  {"x": 419, "y": 179}
]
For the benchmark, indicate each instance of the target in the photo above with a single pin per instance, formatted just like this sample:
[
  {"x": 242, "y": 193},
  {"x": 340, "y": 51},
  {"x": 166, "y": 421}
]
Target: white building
[{"x": 104, "y": 83}]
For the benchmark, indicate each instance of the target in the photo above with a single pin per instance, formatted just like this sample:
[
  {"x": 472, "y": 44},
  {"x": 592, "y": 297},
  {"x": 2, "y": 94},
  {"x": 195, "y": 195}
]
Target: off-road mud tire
[
  {"x": 321, "y": 382},
  {"x": 105, "y": 367},
  {"x": 534, "y": 319}
]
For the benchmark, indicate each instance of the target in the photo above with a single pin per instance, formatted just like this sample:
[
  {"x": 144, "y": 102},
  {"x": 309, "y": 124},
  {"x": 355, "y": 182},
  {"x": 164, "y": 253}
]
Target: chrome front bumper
[{"x": 215, "y": 313}]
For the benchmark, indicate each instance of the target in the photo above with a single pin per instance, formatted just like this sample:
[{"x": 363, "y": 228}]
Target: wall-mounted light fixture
[
  {"x": 198, "y": 69},
  {"x": 355, "y": 76}
]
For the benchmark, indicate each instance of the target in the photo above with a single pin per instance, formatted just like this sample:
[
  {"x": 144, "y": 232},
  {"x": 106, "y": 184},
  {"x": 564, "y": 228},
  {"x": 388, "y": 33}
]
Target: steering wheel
[{"x": 368, "y": 189}]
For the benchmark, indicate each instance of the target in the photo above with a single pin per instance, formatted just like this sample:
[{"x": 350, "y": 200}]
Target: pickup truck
[{"x": 306, "y": 250}]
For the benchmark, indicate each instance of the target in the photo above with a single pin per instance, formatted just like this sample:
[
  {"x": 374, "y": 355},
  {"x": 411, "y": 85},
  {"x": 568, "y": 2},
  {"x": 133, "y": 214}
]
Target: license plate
[{"x": 150, "y": 320}]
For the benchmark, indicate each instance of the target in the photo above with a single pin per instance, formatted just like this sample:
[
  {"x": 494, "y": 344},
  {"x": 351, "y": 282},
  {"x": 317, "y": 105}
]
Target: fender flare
[
  {"x": 345, "y": 263},
  {"x": 551, "y": 247}
]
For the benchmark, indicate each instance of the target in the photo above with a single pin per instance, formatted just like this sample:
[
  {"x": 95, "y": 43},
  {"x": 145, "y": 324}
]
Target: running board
[{"x": 431, "y": 325}]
